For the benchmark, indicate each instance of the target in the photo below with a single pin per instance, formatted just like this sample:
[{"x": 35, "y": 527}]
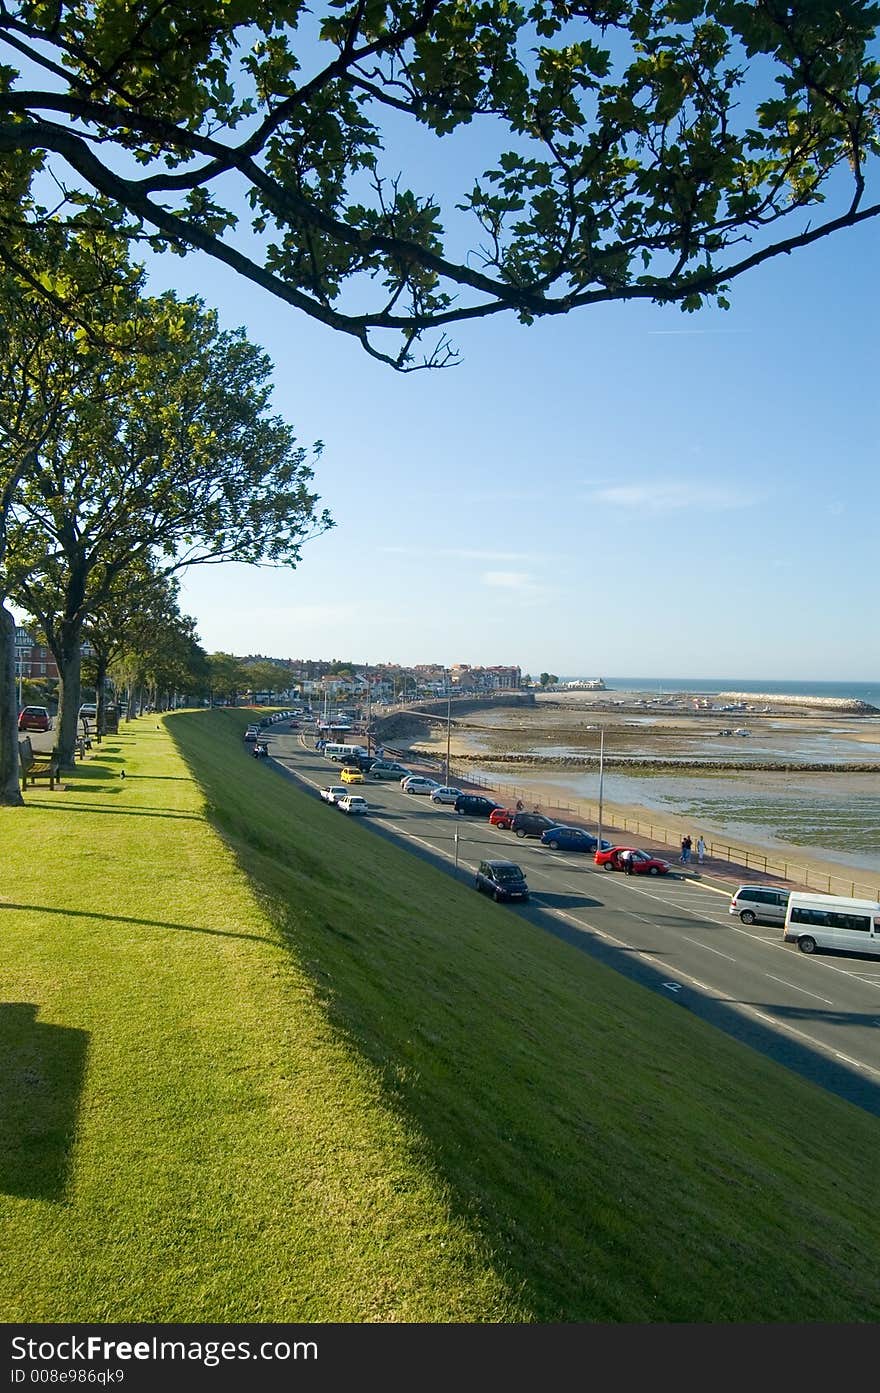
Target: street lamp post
[
  {"x": 448, "y": 731},
  {"x": 601, "y": 780}
]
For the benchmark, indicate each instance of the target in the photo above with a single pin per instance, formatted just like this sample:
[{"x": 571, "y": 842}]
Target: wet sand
[{"x": 729, "y": 860}]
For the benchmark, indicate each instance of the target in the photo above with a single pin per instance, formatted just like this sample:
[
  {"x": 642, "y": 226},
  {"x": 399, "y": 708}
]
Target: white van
[
  {"x": 832, "y": 921},
  {"x": 340, "y": 752}
]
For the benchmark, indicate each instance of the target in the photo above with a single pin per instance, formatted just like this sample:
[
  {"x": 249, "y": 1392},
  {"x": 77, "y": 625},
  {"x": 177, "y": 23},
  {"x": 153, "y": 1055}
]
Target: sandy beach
[{"x": 730, "y": 859}]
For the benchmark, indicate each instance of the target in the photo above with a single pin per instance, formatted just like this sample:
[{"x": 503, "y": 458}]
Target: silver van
[{"x": 764, "y": 904}]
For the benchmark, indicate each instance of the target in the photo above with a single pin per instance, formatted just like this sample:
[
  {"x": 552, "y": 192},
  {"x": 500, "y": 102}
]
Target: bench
[
  {"x": 37, "y": 765},
  {"x": 83, "y": 741}
]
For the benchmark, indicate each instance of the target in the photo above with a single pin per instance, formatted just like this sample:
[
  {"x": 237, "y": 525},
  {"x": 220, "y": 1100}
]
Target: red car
[
  {"x": 502, "y": 817},
  {"x": 34, "y": 718},
  {"x": 642, "y": 863}
]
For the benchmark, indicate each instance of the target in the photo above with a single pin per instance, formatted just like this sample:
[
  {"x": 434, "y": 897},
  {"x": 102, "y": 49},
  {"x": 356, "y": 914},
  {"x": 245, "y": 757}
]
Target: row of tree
[{"x": 136, "y": 439}]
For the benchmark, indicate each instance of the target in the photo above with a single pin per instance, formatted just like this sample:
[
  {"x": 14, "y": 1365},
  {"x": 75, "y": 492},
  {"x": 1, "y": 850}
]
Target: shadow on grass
[
  {"x": 69, "y": 806},
  {"x": 128, "y": 919},
  {"x": 42, "y": 1068}
]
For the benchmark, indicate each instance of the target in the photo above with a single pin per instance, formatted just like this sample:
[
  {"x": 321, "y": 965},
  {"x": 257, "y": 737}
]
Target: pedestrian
[
  {"x": 519, "y": 805},
  {"x": 701, "y": 849},
  {"x": 685, "y": 849},
  {"x": 626, "y": 861}
]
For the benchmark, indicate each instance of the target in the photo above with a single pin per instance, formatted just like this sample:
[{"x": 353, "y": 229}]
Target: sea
[
  {"x": 832, "y": 815},
  {"x": 711, "y": 686}
]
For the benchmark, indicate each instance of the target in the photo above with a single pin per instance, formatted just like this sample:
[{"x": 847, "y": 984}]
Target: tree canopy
[{"x": 652, "y": 149}]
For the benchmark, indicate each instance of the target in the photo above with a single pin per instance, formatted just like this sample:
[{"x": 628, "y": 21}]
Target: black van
[
  {"x": 531, "y": 824},
  {"x": 475, "y": 805}
]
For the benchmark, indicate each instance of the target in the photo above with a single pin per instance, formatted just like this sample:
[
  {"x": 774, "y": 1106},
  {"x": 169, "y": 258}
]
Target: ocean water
[{"x": 868, "y": 691}]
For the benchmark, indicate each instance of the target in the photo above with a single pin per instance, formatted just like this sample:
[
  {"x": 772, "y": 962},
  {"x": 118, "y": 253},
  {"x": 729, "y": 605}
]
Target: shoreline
[{"x": 730, "y": 859}]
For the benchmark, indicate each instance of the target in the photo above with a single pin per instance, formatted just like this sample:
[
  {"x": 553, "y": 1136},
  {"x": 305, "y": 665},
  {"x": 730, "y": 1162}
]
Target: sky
[{"x": 625, "y": 490}]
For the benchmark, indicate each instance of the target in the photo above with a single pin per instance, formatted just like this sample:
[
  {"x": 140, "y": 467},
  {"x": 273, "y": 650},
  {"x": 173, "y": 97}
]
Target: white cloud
[
  {"x": 510, "y": 580},
  {"x": 461, "y": 553},
  {"x": 664, "y": 497}
]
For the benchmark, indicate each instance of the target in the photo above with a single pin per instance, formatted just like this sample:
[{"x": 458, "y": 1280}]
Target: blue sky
[{"x": 627, "y": 490}]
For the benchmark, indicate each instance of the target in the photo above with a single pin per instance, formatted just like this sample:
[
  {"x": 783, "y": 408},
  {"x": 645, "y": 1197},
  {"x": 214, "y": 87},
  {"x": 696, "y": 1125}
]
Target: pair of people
[{"x": 687, "y": 846}]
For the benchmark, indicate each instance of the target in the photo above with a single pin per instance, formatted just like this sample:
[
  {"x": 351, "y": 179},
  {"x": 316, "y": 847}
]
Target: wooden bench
[
  {"x": 83, "y": 741},
  {"x": 36, "y": 764}
]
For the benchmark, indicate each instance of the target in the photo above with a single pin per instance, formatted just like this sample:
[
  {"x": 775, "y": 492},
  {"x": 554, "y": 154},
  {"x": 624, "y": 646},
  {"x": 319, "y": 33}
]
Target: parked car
[
  {"x": 444, "y": 794},
  {"x": 414, "y": 783},
  {"x": 474, "y": 805},
  {"x": 333, "y": 792},
  {"x": 89, "y": 710},
  {"x": 352, "y": 803},
  {"x": 34, "y": 718},
  {"x": 388, "y": 769},
  {"x": 530, "y": 824},
  {"x": 252, "y": 733},
  {"x": 571, "y": 839},
  {"x": 351, "y": 775},
  {"x": 503, "y": 880},
  {"x": 642, "y": 863},
  {"x": 502, "y": 817},
  {"x": 760, "y": 903}
]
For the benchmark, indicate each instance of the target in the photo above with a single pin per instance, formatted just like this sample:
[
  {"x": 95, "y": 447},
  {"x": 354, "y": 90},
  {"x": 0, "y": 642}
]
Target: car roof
[{"x": 512, "y": 865}]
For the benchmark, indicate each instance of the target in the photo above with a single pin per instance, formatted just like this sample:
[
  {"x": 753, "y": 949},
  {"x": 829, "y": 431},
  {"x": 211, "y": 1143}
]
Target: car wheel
[
  {"x": 478, "y": 887},
  {"x": 747, "y": 916},
  {"x": 520, "y": 831},
  {"x": 653, "y": 870},
  {"x": 554, "y": 846},
  {"x": 496, "y": 896},
  {"x": 807, "y": 945},
  {"x": 607, "y": 866}
]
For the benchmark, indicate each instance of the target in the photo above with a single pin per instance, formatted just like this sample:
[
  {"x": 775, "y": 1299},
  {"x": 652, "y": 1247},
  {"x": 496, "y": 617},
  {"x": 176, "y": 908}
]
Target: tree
[
  {"x": 168, "y": 457},
  {"x": 84, "y": 278},
  {"x": 548, "y": 679},
  {"x": 638, "y": 146}
]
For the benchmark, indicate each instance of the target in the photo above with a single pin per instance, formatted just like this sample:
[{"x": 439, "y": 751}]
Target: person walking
[
  {"x": 686, "y": 845},
  {"x": 701, "y": 849},
  {"x": 626, "y": 861}
]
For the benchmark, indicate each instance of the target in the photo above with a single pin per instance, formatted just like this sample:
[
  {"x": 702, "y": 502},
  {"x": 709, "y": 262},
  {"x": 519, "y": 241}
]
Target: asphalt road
[{"x": 818, "y": 1015}]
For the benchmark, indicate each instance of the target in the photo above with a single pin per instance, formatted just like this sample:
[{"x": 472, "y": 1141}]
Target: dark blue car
[{"x": 571, "y": 839}]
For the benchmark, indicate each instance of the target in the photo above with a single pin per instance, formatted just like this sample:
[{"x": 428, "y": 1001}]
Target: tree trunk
[
  {"x": 69, "y": 661},
  {"x": 100, "y": 696},
  {"x": 10, "y": 792}
]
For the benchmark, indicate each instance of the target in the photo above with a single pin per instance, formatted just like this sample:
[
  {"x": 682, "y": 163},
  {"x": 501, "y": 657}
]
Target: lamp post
[
  {"x": 601, "y": 780},
  {"x": 448, "y": 726}
]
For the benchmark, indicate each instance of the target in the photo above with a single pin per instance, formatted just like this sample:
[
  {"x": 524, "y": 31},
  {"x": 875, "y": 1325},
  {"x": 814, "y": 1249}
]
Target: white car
[
  {"x": 352, "y": 803},
  {"x": 416, "y": 784},
  {"x": 445, "y": 795},
  {"x": 334, "y": 793}
]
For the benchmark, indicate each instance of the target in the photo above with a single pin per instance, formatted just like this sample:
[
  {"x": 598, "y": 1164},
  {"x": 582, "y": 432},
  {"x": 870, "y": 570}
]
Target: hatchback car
[
  {"x": 503, "y": 880},
  {"x": 389, "y": 769},
  {"x": 502, "y": 817},
  {"x": 474, "y": 805},
  {"x": 334, "y": 792},
  {"x": 531, "y": 824},
  {"x": 642, "y": 863},
  {"x": 416, "y": 784},
  {"x": 89, "y": 710},
  {"x": 570, "y": 839},
  {"x": 352, "y": 776},
  {"x": 760, "y": 904},
  {"x": 444, "y": 794},
  {"x": 34, "y": 718},
  {"x": 352, "y": 803}
]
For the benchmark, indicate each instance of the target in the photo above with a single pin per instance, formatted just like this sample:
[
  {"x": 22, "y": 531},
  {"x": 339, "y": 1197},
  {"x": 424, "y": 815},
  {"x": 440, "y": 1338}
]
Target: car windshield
[{"x": 507, "y": 873}]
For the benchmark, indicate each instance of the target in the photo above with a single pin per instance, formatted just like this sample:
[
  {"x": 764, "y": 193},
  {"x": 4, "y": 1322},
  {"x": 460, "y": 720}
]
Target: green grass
[{"x": 261, "y": 1064}]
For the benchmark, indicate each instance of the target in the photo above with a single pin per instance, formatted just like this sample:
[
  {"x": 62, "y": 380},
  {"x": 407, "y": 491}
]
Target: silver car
[
  {"x": 760, "y": 904},
  {"x": 445, "y": 795}
]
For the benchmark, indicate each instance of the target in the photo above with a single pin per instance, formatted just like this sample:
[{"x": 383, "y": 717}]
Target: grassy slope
[{"x": 322, "y": 1081}]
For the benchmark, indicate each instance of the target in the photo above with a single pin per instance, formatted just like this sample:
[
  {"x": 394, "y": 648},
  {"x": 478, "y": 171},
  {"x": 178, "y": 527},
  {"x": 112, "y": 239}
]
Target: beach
[{"x": 739, "y": 814}]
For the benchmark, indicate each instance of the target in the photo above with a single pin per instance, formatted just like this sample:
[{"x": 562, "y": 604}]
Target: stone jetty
[{"x": 844, "y": 705}]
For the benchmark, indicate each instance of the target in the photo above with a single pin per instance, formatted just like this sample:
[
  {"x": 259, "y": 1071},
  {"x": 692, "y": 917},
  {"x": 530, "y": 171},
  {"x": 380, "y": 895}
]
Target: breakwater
[
  {"x": 550, "y": 763},
  {"x": 843, "y": 705}
]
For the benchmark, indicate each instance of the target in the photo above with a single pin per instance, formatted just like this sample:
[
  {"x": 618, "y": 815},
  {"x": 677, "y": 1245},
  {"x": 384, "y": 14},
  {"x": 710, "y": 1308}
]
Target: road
[{"x": 818, "y": 1015}]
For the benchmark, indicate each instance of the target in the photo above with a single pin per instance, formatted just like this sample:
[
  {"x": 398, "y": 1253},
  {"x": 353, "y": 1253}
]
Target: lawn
[{"x": 258, "y": 1064}]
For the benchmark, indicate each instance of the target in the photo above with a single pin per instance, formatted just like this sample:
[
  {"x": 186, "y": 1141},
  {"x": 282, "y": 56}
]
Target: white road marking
[{"x": 782, "y": 981}]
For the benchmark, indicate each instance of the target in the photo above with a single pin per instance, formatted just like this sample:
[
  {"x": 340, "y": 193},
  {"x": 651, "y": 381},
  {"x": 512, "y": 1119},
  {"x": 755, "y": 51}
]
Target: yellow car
[{"x": 352, "y": 776}]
